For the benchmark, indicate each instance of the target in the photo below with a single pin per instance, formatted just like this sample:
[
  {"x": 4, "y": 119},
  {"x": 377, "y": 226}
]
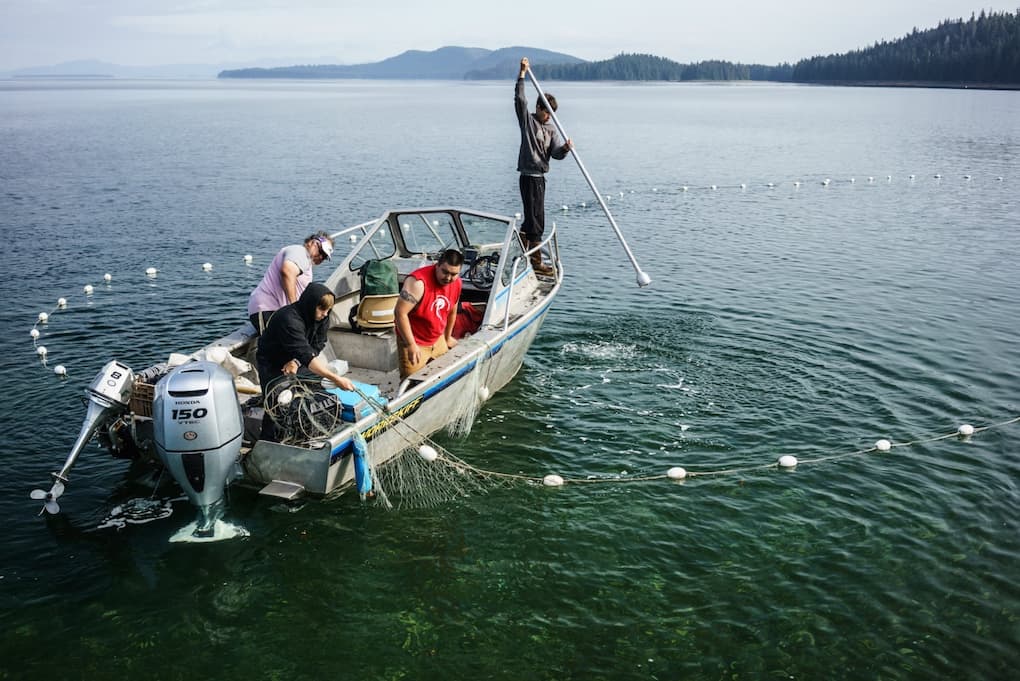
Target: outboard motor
[
  {"x": 197, "y": 428},
  {"x": 108, "y": 396}
]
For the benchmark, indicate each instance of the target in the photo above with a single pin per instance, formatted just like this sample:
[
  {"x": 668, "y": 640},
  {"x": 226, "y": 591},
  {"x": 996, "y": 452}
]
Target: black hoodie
[{"x": 292, "y": 333}]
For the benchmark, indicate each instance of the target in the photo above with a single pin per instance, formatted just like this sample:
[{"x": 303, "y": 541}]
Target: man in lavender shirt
[{"x": 287, "y": 276}]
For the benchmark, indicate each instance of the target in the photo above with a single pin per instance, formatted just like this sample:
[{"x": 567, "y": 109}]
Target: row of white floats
[
  {"x": 786, "y": 462},
  {"x": 796, "y": 184}
]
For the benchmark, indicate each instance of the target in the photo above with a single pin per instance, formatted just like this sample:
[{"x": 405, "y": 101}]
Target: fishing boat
[{"x": 198, "y": 414}]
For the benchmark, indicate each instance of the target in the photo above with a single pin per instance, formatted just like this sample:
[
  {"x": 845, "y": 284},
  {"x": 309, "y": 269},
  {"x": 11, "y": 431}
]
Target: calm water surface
[{"x": 809, "y": 320}]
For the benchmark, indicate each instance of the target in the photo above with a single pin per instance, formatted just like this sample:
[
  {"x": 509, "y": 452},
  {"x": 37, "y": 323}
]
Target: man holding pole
[{"x": 539, "y": 142}]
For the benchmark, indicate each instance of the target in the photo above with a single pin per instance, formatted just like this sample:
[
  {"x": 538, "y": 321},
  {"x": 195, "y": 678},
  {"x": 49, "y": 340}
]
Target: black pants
[
  {"x": 260, "y": 320},
  {"x": 533, "y": 196}
]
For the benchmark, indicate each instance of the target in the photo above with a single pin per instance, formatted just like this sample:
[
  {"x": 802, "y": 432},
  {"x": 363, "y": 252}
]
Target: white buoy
[
  {"x": 43, "y": 317},
  {"x": 888, "y": 178},
  {"x": 743, "y": 186},
  {"x": 787, "y": 461},
  {"x": 285, "y": 397},
  {"x": 428, "y": 453},
  {"x": 248, "y": 259},
  {"x": 965, "y": 430},
  {"x": 61, "y": 302},
  {"x": 883, "y": 445},
  {"x": 564, "y": 207},
  {"x": 552, "y": 480},
  {"x": 517, "y": 216},
  {"x": 655, "y": 189},
  {"x": 41, "y": 351},
  {"x": 107, "y": 277},
  {"x": 825, "y": 182},
  {"x": 59, "y": 370},
  {"x": 870, "y": 179},
  {"x": 938, "y": 176},
  {"x": 621, "y": 195},
  {"x": 88, "y": 289},
  {"x": 483, "y": 393},
  {"x": 770, "y": 185},
  {"x": 207, "y": 266},
  {"x": 683, "y": 188},
  {"x": 714, "y": 187},
  {"x": 151, "y": 271},
  {"x": 999, "y": 178},
  {"x": 676, "y": 473},
  {"x": 796, "y": 184},
  {"x": 584, "y": 204},
  {"x": 34, "y": 333},
  {"x": 853, "y": 181},
  {"x": 911, "y": 177},
  {"x": 967, "y": 177}
]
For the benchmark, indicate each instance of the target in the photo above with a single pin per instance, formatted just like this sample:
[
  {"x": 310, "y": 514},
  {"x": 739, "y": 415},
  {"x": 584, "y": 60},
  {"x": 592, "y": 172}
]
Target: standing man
[
  {"x": 539, "y": 142},
  {"x": 427, "y": 311},
  {"x": 287, "y": 276}
]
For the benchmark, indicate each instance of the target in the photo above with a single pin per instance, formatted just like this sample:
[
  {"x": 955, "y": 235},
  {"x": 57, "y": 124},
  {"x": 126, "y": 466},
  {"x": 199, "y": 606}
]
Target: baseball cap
[{"x": 327, "y": 247}]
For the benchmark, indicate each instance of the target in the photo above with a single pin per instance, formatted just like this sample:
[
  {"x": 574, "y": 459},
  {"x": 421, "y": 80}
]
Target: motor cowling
[{"x": 197, "y": 429}]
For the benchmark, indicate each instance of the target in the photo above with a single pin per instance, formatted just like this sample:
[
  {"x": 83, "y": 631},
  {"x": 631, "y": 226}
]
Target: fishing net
[
  {"x": 423, "y": 474},
  {"x": 302, "y": 411},
  {"x": 429, "y": 475}
]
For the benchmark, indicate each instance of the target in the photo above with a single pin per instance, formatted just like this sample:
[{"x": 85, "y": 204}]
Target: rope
[{"x": 450, "y": 459}]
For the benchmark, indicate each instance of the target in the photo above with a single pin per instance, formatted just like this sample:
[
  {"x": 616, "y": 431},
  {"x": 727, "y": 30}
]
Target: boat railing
[
  {"x": 365, "y": 228},
  {"x": 554, "y": 258}
]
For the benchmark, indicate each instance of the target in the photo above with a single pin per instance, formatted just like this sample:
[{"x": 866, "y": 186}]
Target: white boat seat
[{"x": 376, "y": 312}]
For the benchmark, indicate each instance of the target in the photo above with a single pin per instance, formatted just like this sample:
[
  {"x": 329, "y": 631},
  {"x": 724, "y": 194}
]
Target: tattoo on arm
[{"x": 407, "y": 295}]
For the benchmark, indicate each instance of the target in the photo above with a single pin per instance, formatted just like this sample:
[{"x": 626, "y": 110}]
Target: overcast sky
[{"x": 152, "y": 32}]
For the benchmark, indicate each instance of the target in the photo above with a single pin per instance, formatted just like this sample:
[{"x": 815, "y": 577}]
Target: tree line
[
  {"x": 982, "y": 50},
  {"x": 650, "y": 67}
]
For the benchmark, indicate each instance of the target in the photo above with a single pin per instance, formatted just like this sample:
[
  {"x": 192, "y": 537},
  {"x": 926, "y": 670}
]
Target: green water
[{"x": 808, "y": 320}]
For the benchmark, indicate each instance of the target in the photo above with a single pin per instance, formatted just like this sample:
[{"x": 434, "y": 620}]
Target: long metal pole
[{"x": 642, "y": 278}]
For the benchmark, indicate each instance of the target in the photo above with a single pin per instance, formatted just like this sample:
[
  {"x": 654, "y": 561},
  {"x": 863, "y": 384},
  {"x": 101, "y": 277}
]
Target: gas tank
[{"x": 197, "y": 427}]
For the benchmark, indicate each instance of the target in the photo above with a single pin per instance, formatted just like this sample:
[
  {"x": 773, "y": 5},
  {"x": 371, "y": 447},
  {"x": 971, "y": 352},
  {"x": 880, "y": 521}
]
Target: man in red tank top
[{"x": 427, "y": 311}]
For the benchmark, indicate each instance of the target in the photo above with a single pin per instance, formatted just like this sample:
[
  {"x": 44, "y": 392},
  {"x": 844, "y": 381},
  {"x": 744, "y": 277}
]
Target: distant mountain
[
  {"x": 91, "y": 68},
  {"x": 445, "y": 63}
]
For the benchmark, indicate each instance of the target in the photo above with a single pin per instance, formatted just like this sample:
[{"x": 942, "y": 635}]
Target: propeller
[{"x": 51, "y": 506}]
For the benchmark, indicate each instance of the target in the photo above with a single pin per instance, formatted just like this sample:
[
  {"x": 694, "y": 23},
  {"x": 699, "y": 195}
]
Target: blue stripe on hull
[{"x": 346, "y": 446}]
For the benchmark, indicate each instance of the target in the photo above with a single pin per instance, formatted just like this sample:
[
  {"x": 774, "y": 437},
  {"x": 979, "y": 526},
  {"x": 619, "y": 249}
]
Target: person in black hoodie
[{"x": 293, "y": 339}]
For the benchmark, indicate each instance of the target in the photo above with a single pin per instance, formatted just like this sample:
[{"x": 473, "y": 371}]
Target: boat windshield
[
  {"x": 428, "y": 232},
  {"x": 483, "y": 231}
]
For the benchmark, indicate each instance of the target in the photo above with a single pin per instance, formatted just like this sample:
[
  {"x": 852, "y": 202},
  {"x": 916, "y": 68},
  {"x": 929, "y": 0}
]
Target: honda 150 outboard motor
[
  {"x": 197, "y": 428},
  {"x": 108, "y": 397}
]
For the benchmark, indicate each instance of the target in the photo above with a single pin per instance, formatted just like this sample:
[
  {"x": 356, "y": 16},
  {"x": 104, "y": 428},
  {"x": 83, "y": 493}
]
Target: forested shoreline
[{"x": 982, "y": 51}]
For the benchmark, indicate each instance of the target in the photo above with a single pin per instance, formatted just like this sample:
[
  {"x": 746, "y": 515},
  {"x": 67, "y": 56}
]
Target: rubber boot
[{"x": 536, "y": 261}]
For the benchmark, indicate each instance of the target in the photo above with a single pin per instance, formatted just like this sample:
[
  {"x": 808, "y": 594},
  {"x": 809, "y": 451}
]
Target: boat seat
[{"x": 376, "y": 312}]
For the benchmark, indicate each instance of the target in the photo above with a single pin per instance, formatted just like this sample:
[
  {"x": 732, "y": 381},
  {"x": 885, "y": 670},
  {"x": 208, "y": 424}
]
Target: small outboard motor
[
  {"x": 197, "y": 428},
  {"x": 108, "y": 397}
]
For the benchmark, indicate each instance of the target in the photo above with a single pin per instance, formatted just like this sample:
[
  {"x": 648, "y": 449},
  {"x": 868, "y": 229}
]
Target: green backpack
[{"x": 378, "y": 278}]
